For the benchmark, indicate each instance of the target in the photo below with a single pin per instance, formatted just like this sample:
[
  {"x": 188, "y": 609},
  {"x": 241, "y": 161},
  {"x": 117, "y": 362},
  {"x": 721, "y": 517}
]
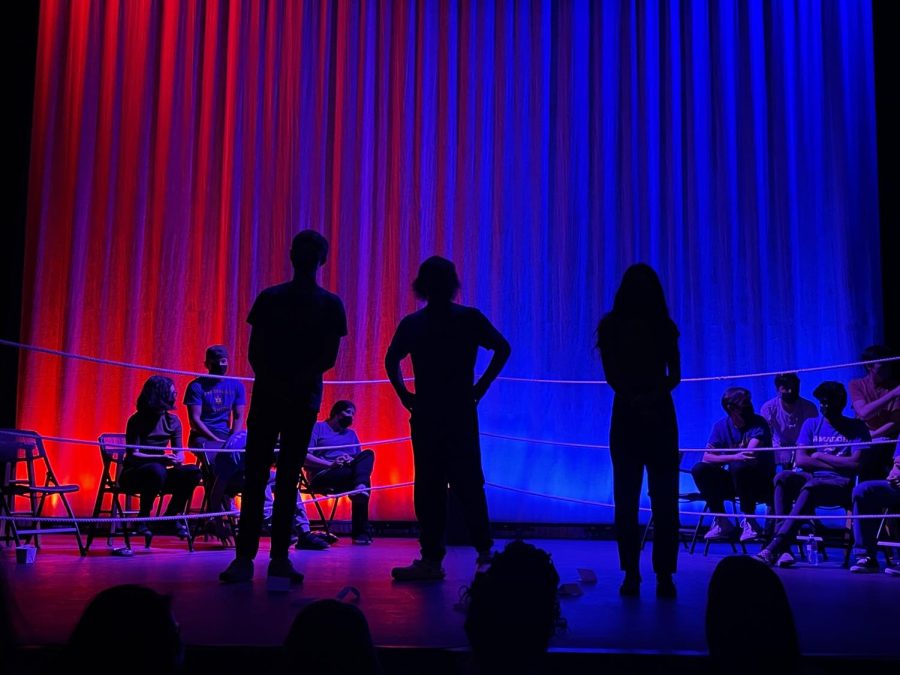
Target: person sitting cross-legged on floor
[
  {"x": 826, "y": 475},
  {"x": 722, "y": 475},
  {"x": 871, "y": 498},
  {"x": 336, "y": 463}
]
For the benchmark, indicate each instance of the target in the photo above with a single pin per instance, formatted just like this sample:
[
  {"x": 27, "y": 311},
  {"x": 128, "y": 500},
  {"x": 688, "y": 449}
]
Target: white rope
[
  {"x": 119, "y": 444},
  {"x": 173, "y": 371},
  {"x": 724, "y": 451},
  {"x": 156, "y": 369},
  {"x": 188, "y": 516},
  {"x": 587, "y": 502},
  {"x": 715, "y": 378}
]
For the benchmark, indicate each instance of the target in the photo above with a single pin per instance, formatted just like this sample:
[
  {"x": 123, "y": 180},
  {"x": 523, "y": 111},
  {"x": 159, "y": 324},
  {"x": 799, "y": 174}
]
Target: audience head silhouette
[
  {"x": 127, "y": 627},
  {"x": 309, "y": 251},
  {"x": 513, "y": 610},
  {"x": 437, "y": 280},
  {"x": 157, "y": 395},
  {"x": 329, "y": 637},
  {"x": 747, "y": 605}
]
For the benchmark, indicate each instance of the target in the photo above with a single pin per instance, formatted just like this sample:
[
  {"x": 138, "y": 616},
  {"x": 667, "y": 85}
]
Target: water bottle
[{"x": 812, "y": 550}]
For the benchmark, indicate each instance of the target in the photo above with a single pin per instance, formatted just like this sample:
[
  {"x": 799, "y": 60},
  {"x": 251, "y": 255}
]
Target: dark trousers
[
  {"x": 750, "y": 482},
  {"x": 869, "y": 498},
  {"x": 639, "y": 440},
  {"x": 272, "y": 414},
  {"x": 345, "y": 478},
  {"x": 446, "y": 451},
  {"x": 224, "y": 473},
  {"x": 798, "y": 494},
  {"x": 152, "y": 479}
]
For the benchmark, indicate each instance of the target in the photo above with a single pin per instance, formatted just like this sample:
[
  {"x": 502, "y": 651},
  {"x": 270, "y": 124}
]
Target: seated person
[
  {"x": 151, "y": 472},
  {"x": 747, "y": 474},
  {"x": 341, "y": 469},
  {"x": 875, "y": 399},
  {"x": 872, "y": 497},
  {"x": 216, "y": 410},
  {"x": 826, "y": 475},
  {"x": 785, "y": 414}
]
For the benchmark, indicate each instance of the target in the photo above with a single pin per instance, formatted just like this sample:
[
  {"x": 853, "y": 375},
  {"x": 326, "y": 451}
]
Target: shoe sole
[{"x": 865, "y": 570}]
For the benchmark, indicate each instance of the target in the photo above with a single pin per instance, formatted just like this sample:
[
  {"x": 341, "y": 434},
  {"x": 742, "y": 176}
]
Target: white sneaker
[
  {"x": 721, "y": 529},
  {"x": 786, "y": 559},
  {"x": 892, "y": 570},
  {"x": 749, "y": 530}
]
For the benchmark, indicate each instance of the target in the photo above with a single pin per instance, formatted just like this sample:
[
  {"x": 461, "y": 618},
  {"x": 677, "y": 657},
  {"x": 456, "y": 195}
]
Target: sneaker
[
  {"x": 282, "y": 575},
  {"x": 362, "y": 540},
  {"x": 749, "y": 531},
  {"x": 865, "y": 564},
  {"x": 766, "y": 556},
  {"x": 721, "y": 529},
  {"x": 892, "y": 570},
  {"x": 785, "y": 560},
  {"x": 420, "y": 570},
  {"x": 240, "y": 570},
  {"x": 311, "y": 541}
]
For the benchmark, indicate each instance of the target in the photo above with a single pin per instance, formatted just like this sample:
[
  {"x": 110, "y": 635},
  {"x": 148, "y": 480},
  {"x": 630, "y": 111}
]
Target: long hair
[
  {"x": 640, "y": 297},
  {"x": 156, "y": 395}
]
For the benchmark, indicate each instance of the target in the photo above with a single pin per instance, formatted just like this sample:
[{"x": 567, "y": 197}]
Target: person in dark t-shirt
[
  {"x": 747, "y": 475},
  {"x": 296, "y": 331},
  {"x": 216, "y": 408},
  {"x": 443, "y": 340}
]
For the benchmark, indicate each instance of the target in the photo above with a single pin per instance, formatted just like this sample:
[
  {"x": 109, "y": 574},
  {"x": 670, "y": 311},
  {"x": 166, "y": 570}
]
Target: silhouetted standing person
[
  {"x": 296, "y": 331},
  {"x": 638, "y": 344},
  {"x": 443, "y": 340}
]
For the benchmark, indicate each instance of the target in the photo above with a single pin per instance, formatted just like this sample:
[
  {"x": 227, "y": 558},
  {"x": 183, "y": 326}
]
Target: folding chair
[
  {"x": 112, "y": 452},
  {"x": 324, "y": 523},
  {"x": 689, "y": 534},
  {"x": 26, "y": 474},
  {"x": 888, "y": 536}
]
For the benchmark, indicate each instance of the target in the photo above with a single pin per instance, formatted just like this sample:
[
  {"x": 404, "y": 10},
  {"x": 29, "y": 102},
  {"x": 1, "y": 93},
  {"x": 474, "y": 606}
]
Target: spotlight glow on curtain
[{"x": 543, "y": 146}]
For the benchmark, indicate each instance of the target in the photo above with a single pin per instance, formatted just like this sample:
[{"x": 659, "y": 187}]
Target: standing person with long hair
[{"x": 638, "y": 344}]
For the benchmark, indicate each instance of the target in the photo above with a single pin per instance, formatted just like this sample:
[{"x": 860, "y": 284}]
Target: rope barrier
[
  {"x": 157, "y": 369},
  {"x": 715, "y": 378},
  {"x": 187, "y": 516},
  {"x": 587, "y": 502},
  {"x": 725, "y": 451},
  {"x": 120, "y": 445},
  {"x": 174, "y": 371},
  {"x": 403, "y": 439}
]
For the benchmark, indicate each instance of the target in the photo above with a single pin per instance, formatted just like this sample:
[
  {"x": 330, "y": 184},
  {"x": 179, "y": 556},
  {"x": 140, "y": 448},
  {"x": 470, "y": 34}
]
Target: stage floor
[{"x": 837, "y": 613}]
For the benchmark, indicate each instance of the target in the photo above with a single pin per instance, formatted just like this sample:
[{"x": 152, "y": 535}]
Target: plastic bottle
[{"x": 812, "y": 550}]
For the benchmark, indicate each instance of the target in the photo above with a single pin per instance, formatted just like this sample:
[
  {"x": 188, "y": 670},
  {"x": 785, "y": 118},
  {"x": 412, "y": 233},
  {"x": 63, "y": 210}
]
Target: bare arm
[
  {"x": 395, "y": 375},
  {"x": 865, "y": 410},
  {"x": 502, "y": 350},
  {"x": 238, "y": 413},
  {"x": 809, "y": 461}
]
